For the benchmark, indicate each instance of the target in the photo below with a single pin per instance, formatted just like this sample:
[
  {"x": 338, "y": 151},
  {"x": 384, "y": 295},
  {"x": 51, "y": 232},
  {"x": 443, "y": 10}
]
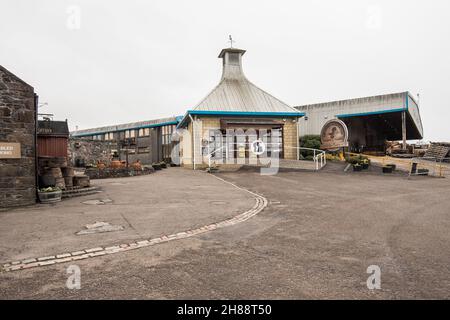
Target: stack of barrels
[
  {"x": 54, "y": 172},
  {"x": 68, "y": 174}
]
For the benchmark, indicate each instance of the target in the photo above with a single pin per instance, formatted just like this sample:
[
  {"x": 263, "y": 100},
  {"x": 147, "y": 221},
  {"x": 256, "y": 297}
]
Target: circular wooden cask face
[{"x": 334, "y": 135}]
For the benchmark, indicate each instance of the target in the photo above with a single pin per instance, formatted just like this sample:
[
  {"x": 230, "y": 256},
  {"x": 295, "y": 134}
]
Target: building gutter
[
  {"x": 348, "y": 115},
  {"x": 238, "y": 114},
  {"x": 75, "y": 135}
]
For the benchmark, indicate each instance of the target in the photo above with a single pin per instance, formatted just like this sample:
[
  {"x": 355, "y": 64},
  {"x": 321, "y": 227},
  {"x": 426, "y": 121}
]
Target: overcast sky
[{"x": 109, "y": 62}]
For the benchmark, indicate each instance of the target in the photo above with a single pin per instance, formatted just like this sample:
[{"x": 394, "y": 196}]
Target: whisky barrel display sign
[
  {"x": 334, "y": 135},
  {"x": 10, "y": 150}
]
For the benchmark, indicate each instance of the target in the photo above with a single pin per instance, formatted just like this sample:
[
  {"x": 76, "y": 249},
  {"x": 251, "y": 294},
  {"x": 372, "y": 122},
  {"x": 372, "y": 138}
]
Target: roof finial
[{"x": 231, "y": 41}]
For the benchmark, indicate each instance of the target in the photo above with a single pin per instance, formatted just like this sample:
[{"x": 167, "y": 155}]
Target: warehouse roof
[
  {"x": 127, "y": 126},
  {"x": 379, "y": 105}
]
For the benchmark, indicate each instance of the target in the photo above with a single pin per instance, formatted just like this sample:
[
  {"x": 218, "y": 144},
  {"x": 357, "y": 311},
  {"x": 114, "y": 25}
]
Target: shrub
[
  {"x": 309, "y": 141},
  {"x": 359, "y": 159}
]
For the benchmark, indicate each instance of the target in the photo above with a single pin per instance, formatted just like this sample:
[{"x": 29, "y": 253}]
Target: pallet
[{"x": 437, "y": 152}]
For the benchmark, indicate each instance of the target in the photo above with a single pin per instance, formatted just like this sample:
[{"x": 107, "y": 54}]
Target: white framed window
[
  {"x": 130, "y": 133},
  {"x": 109, "y": 136}
]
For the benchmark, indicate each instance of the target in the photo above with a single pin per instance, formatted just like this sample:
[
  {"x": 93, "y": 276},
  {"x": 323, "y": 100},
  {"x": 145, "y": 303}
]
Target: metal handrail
[
  {"x": 211, "y": 153},
  {"x": 319, "y": 156}
]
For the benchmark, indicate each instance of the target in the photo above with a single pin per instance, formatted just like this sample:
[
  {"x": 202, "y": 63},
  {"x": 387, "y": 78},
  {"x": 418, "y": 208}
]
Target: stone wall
[
  {"x": 17, "y": 124},
  {"x": 290, "y": 140},
  {"x": 96, "y": 173},
  {"x": 90, "y": 151}
]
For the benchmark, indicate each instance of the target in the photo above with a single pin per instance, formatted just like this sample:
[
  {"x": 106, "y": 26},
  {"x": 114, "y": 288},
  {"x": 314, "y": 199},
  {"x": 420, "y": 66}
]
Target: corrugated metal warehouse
[{"x": 370, "y": 120}]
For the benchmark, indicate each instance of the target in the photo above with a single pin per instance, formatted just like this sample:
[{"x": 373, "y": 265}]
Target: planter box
[
  {"x": 393, "y": 166},
  {"x": 387, "y": 169},
  {"x": 50, "y": 197},
  {"x": 365, "y": 166},
  {"x": 357, "y": 168}
]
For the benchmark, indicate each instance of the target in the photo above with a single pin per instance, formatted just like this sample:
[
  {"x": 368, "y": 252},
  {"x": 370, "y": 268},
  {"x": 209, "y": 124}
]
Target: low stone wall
[
  {"x": 87, "y": 152},
  {"x": 96, "y": 173}
]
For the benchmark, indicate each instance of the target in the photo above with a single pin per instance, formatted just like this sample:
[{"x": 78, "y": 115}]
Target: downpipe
[{"x": 193, "y": 139}]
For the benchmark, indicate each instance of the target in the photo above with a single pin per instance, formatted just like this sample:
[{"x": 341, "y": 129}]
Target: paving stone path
[{"x": 260, "y": 203}]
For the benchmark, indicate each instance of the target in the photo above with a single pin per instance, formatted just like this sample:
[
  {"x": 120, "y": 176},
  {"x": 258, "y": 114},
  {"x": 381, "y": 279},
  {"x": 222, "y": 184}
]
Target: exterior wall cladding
[
  {"x": 153, "y": 146},
  {"x": 17, "y": 124}
]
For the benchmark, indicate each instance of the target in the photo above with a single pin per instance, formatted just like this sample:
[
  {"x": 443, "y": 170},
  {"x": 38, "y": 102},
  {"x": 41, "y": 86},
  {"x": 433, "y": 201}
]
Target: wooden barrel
[
  {"x": 52, "y": 162},
  {"x": 46, "y": 181},
  {"x": 60, "y": 183},
  {"x": 68, "y": 181},
  {"x": 55, "y": 172},
  {"x": 51, "y": 177},
  {"x": 68, "y": 172},
  {"x": 81, "y": 181}
]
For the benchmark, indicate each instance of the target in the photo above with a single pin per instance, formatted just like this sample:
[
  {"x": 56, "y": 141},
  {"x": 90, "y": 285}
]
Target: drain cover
[
  {"x": 99, "y": 227},
  {"x": 97, "y": 201}
]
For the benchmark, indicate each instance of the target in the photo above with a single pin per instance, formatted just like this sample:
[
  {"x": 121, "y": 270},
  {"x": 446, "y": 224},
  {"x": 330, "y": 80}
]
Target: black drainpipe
[{"x": 36, "y": 103}]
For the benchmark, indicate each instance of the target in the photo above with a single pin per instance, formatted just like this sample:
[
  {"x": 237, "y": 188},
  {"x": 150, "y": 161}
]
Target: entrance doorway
[{"x": 239, "y": 146}]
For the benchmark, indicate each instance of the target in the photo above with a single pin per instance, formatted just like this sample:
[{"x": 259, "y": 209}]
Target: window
[
  {"x": 109, "y": 136},
  {"x": 130, "y": 133},
  {"x": 166, "y": 139},
  {"x": 233, "y": 58},
  {"x": 145, "y": 132}
]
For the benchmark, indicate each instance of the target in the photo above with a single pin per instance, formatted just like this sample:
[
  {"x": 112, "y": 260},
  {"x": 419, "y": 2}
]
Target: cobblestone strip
[{"x": 260, "y": 203}]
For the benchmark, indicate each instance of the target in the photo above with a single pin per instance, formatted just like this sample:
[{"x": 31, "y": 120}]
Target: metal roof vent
[
  {"x": 232, "y": 59},
  {"x": 236, "y": 93}
]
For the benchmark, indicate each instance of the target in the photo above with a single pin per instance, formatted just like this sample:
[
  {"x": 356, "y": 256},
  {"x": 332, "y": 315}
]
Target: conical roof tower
[{"x": 236, "y": 93}]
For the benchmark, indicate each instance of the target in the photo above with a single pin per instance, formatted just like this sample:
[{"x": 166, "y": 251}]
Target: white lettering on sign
[{"x": 9, "y": 150}]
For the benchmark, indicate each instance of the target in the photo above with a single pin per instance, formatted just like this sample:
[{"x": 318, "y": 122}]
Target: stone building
[
  {"x": 147, "y": 141},
  {"x": 18, "y": 109},
  {"x": 235, "y": 119}
]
